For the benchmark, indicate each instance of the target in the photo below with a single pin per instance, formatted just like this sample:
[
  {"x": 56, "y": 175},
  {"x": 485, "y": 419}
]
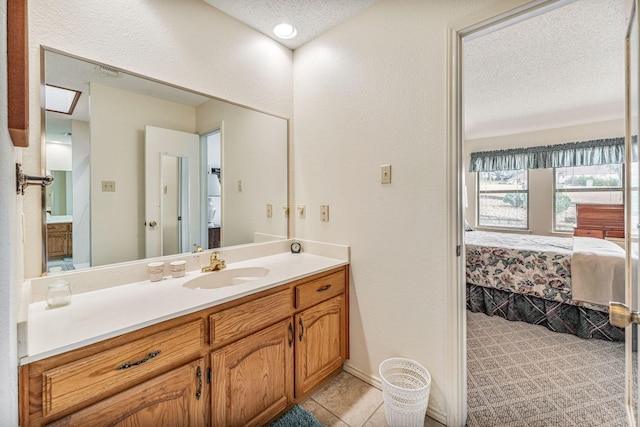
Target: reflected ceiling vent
[{"x": 107, "y": 70}]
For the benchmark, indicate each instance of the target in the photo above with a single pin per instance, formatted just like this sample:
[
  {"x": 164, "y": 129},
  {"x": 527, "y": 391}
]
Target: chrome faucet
[{"x": 215, "y": 263}]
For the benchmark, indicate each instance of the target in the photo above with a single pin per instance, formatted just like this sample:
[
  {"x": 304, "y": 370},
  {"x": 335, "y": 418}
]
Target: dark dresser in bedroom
[{"x": 600, "y": 221}]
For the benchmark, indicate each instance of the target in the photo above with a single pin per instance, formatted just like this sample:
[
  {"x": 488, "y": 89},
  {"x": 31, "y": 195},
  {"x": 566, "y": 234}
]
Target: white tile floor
[{"x": 347, "y": 401}]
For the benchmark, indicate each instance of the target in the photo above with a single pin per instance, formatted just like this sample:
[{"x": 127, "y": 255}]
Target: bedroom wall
[{"x": 540, "y": 180}]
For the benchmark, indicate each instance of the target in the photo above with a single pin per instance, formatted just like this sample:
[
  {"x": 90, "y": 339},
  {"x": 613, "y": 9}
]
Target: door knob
[
  {"x": 152, "y": 224},
  {"x": 622, "y": 316}
]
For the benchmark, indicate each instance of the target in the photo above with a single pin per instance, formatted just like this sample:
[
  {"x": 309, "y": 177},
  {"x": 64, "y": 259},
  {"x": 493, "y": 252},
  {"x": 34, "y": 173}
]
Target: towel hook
[{"x": 23, "y": 181}]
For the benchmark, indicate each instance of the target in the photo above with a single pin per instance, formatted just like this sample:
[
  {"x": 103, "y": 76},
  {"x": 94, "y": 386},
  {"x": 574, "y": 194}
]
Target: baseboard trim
[{"x": 432, "y": 412}]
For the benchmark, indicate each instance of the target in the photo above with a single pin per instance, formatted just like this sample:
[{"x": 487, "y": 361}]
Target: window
[
  {"x": 503, "y": 199},
  {"x": 584, "y": 184}
]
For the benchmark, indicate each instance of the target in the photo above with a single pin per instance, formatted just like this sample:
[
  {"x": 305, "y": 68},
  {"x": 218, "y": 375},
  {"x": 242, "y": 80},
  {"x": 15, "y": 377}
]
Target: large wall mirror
[{"x": 145, "y": 169}]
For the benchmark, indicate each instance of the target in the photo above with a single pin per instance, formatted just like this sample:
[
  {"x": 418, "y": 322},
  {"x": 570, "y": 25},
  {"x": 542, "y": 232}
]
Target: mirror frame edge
[{"x": 43, "y": 165}]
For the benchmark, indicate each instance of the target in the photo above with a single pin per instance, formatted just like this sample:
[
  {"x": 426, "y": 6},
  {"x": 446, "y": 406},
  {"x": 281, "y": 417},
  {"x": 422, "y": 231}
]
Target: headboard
[{"x": 599, "y": 220}]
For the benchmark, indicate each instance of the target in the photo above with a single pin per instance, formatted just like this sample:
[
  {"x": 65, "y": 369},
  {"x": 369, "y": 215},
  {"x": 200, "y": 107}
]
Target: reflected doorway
[{"x": 213, "y": 143}]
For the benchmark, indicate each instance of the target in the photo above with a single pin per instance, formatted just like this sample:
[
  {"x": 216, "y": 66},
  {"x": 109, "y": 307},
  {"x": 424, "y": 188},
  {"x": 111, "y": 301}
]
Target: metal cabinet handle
[
  {"x": 199, "y": 376},
  {"x": 290, "y": 334},
  {"x": 127, "y": 365},
  {"x": 152, "y": 223},
  {"x": 301, "y": 329},
  {"x": 323, "y": 288}
]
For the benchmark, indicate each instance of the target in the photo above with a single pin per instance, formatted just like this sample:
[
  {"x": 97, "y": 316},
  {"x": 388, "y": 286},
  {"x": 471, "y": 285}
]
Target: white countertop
[
  {"x": 104, "y": 313},
  {"x": 58, "y": 219}
]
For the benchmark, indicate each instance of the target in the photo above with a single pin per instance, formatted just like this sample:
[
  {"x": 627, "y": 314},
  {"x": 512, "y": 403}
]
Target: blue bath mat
[{"x": 297, "y": 417}]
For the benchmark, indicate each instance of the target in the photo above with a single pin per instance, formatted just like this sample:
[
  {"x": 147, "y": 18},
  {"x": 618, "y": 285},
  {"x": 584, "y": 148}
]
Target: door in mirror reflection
[
  {"x": 172, "y": 187},
  {"x": 174, "y": 204},
  {"x": 212, "y": 143}
]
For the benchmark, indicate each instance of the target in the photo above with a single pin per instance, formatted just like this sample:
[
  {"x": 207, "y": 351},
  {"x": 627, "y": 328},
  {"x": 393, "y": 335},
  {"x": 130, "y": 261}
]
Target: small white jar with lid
[{"x": 58, "y": 293}]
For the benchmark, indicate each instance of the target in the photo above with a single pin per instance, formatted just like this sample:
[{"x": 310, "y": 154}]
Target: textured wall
[
  {"x": 369, "y": 92},
  {"x": 186, "y": 42}
]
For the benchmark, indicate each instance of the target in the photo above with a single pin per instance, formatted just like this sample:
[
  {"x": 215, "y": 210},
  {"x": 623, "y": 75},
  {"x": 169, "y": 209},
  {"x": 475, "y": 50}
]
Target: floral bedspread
[{"x": 533, "y": 265}]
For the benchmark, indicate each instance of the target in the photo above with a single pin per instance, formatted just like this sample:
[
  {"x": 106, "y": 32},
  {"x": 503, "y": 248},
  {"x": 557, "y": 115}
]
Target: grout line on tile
[
  {"x": 331, "y": 412},
  {"x": 373, "y": 413}
]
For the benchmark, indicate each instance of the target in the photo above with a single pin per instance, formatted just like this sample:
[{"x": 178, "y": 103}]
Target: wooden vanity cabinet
[
  {"x": 243, "y": 362},
  {"x": 321, "y": 332},
  {"x": 321, "y": 344},
  {"x": 63, "y": 387},
  {"x": 252, "y": 381},
  {"x": 174, "y": 399},
  {"x": 59, "y": 240}
]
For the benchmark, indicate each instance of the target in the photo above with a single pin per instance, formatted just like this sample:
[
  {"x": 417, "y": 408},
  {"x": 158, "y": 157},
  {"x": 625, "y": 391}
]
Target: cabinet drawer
[
  {"x": 63, "y": 226},
  {"x": 113, "y": 370},
  {"x": 585, "y": 232},
  {"x": 235, "y": 322},
  {"x": 318, "y": 290}
]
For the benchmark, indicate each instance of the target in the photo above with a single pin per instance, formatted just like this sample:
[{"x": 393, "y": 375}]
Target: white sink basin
[{"x": 226, "y": 277}]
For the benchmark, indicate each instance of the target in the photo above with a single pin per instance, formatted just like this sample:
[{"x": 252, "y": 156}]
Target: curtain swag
[{"x": 584, "y": 153}]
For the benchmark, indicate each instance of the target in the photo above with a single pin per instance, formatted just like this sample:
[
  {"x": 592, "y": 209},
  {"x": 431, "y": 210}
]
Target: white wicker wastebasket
[{"x": 405, "y": 390}]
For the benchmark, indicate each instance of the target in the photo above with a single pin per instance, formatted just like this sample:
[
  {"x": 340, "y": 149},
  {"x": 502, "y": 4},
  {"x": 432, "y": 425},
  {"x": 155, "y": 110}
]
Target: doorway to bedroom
[{"x": 545, "y": 84}]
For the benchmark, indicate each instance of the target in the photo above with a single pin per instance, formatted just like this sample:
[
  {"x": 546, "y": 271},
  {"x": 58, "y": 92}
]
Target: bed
[{"x": 562, "y": 283}]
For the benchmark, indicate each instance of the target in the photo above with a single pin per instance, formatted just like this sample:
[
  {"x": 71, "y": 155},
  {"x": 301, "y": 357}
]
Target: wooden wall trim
[{"x": 18, "y": 72}]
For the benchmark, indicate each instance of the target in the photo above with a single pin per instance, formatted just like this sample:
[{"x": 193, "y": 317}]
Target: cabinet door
[
  {"x": 253, "y": 377},
  {"x": 177, "y": 398},
  {"x": 56, "y": 244},
  {"x": 321, "y": 345}
]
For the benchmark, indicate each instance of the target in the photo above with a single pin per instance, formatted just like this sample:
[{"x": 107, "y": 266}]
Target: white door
[
  {"x": 626, "y": 315},
  {"x": 162, "y": 144}
]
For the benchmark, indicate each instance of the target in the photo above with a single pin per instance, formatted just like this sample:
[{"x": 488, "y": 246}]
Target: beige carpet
[{"x": 526, "y": 375}]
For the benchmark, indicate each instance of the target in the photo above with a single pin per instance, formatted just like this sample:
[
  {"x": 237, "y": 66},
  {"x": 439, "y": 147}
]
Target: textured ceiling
[
  {"x": 310, "y": 17},
  {"x": 561, "y": 68}
]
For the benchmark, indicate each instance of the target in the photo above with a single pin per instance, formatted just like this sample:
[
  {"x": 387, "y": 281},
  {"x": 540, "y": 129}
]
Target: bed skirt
[{"x": 556, "y": 316}]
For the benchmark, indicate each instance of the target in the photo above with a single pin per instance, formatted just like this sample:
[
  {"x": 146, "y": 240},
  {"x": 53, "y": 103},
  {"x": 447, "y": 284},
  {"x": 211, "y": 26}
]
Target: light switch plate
[
  {"x": 269, "y": 211},
  {"x": 385, "y": 174},
  {"x": 324, "y": 213}
]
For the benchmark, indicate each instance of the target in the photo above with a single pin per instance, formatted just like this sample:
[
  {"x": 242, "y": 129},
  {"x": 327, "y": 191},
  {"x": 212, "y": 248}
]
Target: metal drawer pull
[
  {"x": 301, "y": 329},
  {"x": 323, "y": 288},
  {"x": 127, "y": 365}
]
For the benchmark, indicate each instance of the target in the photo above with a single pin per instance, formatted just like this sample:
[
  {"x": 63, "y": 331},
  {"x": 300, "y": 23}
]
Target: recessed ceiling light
[
  {"x": 285, "y": 31},
  {"x": 60, "y": 99}
]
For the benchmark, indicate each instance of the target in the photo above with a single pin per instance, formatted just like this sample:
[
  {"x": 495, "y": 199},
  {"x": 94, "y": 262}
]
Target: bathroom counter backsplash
[{"x": 113, "y": 300}]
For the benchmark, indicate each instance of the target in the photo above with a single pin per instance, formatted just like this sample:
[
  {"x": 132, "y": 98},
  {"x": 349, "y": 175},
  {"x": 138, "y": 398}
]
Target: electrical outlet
[
  {"x": 109, "y": 186},
  {"x": 385, "y": 174},
  {"x": 269, "y": 211},
  {"x": 324, "y": 213},
  {"x": 302, "y": 211},
  {"x": 240, "y": 185}
]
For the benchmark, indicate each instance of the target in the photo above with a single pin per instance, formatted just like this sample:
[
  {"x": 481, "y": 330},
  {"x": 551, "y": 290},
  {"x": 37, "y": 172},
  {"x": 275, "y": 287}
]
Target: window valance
[{"x": 584, "y": 153}]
